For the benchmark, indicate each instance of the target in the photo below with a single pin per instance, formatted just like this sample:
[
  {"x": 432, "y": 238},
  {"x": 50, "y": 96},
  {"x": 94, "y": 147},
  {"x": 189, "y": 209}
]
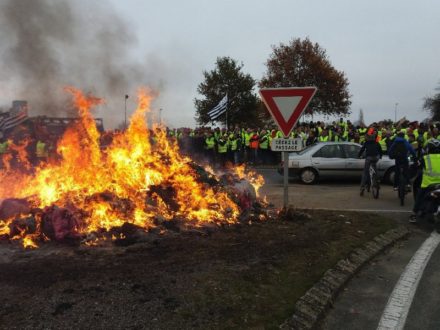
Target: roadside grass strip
[{"x": 399, "y": 302}]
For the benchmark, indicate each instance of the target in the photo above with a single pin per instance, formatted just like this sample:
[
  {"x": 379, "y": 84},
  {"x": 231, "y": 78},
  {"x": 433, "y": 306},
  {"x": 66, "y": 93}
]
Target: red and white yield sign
[{"x": 286, "y": 104}]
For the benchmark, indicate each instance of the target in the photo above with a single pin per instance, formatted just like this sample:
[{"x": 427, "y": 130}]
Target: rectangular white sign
[{"x": 286, "y": 144}]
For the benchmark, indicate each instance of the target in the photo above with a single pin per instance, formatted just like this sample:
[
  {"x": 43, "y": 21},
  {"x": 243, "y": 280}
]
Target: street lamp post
[
  {"x": 125, "y": 117},
  {"x": 395, "y": 112}
]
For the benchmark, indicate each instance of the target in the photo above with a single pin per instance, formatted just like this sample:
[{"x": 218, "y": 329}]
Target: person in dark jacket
[
  {"x": 373, "y": 152},
  {"x": 400, "y": 150}
]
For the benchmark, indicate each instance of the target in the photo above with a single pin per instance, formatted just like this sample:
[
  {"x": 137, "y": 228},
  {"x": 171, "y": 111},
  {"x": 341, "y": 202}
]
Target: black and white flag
[
  {"x": 13, "y": 119},
  {"x": 219, "y": 109}
]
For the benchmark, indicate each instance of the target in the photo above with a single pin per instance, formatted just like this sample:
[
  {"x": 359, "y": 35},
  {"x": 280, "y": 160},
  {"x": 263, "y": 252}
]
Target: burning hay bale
[
  {"x": 130, "y": 189},
  {"x": 61, "y": 224},
  {"x": 12, "y": 207}
]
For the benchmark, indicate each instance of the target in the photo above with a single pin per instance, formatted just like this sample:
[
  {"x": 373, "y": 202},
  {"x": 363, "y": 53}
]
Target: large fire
[{"x": 116, "y": 185}]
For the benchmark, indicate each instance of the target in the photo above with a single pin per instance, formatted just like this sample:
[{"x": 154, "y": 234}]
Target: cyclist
[
  {"x": 399, "y": 151},
  {"x": 430, "y": 175},
  {"x": 373, "y": 152}
]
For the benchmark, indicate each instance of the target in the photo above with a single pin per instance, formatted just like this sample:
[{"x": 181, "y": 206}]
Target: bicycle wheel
[
  {"x": 402, "y": 193},
  {"x": 375, "y": 189}
]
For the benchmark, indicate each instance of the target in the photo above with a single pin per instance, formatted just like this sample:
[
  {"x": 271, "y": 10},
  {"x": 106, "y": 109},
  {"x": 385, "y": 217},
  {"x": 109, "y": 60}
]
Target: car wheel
[{"x": 308, "y": 176}]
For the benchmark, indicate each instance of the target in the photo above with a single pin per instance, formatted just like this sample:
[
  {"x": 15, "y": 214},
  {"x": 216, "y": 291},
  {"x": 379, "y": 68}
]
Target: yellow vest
[
  {"x": 233, "y": 142},
  {"x": 41, "y": 149},
  {"x": 222, "y": 146},
  {"x": 265, "y": 143},
  {"x": 431, "y": 172},
  {"x": 209, "y": 143},
  {"x": 247, "y": 139},
  {"x": 383, "y": 144},
  {"x": 3, "y": 147}
]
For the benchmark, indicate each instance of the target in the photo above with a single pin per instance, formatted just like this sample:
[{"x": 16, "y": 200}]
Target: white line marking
[
  {"x": 355, "y": 210},
  {"x": 399, "y": 302}
]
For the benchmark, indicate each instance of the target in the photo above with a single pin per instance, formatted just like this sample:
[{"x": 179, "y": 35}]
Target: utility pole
[
  {"x": 125, "y": 117},
  {"x": 395, "y": 112}
]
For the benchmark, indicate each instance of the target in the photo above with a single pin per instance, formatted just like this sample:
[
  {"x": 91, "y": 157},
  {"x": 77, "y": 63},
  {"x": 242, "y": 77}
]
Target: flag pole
[{"x": 227, "y": 103}]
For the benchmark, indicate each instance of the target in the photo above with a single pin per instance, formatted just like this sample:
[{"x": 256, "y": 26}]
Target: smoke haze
[{"x": 49, "y": 44}]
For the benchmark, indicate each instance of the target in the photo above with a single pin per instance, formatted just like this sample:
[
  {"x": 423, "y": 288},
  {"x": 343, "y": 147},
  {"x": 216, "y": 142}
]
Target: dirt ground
[{"x": 243, "y": 276}]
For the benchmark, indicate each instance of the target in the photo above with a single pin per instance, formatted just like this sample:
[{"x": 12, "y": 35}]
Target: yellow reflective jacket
[{"x": 431, "y": 172}]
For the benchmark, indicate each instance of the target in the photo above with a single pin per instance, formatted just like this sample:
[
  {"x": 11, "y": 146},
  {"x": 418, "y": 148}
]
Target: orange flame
[
  {"x": 113, "y": 186},
  {"x": 255, "y": 179}
]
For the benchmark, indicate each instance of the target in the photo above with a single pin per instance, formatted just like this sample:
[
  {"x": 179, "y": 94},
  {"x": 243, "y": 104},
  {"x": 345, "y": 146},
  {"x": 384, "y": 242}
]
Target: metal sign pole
[{"x": 286, "y": 179}]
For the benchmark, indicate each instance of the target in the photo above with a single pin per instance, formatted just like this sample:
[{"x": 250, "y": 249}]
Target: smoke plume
[{"x": 49, "y": 44}]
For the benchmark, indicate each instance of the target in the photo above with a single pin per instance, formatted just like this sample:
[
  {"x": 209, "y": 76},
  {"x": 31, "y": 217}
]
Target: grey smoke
[{"x": 48, "y": 44}]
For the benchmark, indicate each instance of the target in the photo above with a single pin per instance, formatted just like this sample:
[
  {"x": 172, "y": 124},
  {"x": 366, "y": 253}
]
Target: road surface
[
  {"x": 394, "y": 291},
  {"x": 334, "y": 194}
]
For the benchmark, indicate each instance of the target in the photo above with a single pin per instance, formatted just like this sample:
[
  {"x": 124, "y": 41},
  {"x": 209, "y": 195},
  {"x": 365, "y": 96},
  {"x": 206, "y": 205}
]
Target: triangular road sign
[{"x": 286, "y": 104}]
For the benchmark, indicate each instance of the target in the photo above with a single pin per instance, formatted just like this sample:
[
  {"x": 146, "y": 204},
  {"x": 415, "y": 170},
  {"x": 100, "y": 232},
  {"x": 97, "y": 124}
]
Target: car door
[
  {"x": 353, "y": 165},
  {"x": 329, "y": 160}
]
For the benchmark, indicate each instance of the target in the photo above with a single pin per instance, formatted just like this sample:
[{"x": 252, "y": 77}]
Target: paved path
[
  {"x": 397, "y": 290},
  {"x": 335, "y": 194}
]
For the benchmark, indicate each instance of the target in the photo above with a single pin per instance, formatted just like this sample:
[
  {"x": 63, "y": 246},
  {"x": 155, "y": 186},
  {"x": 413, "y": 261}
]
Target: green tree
[
  {"x": 432, "y": 104},
  {"x": 227, "y": 78},
  {"x": 302, "y": 63}
]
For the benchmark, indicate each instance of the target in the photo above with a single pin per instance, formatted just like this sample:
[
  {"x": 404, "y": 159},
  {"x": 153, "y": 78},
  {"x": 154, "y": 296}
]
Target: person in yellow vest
[
  {"x": 234, "y": 147},
  {"x": 337, "y": 135},
  {"x": 41, "y": 151},
  {"x": 430, "y": 176},
  {"x": 222, "y": 149},
  {"x": 263, "y": 142},
  {"x": 324, "y": 136},
  {"x": 320, "y": 127},
  {"x": 413, "y": 142},
  {"x": 362, "y": 131},
  {"x": 3, "y": 148},
  {"x": 210, "y": 147},
  {"x": 245, "y": 144},
  {"x": 385, "y": 141},
  {"x": 279, "y": 135},
  {"x": 342, "y": 125}
]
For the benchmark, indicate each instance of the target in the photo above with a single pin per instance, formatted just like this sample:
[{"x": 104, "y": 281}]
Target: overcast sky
[{"x": 388, "y": 49}]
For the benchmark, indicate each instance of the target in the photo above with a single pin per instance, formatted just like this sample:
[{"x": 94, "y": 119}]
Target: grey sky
[{"x": 389, "y": 49}]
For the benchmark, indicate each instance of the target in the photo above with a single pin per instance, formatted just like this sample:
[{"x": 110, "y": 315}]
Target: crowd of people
[{"x": 253, "y": 145}]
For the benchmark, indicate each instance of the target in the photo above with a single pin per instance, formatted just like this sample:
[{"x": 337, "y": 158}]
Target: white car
[{"x": 333, "y": 159}]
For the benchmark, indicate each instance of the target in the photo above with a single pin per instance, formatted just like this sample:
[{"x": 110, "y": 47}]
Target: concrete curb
[{"x": 311, "y": 307}]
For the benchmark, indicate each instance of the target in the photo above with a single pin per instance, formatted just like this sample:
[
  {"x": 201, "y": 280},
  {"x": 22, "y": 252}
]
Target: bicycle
[
  {"x": 373, "y": 183},
  {"x": 402, "y": 190}
]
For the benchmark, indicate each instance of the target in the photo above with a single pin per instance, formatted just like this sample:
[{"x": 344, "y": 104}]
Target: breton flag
[
  {"x": 219, "y": 109},
  {"x": 16, "y": 116}
]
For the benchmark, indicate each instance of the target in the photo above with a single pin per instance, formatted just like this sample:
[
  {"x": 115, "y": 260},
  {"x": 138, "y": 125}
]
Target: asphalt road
[
  {"x": 363, "y": 302},
  {"x": 339, "y": 193}
]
